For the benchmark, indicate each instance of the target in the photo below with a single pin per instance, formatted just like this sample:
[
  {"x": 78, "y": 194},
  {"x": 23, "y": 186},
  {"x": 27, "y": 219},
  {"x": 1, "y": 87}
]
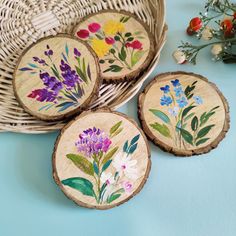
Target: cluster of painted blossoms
[{"x": 217, "y": 26}]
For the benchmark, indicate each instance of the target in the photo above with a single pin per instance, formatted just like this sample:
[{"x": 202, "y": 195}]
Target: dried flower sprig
[{"x": 222, "y": 37}]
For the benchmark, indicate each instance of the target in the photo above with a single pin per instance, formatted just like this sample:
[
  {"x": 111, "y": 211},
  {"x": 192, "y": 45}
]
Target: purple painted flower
[
  {"x": 40, "y": 61},
  {"x": 51, "y": 82},
  {"x": 92, "y": 142},
  {"x": 48, "y": 52},
  {"x": 42, "y": 95},
  {"x": 76, "y": 53},
  {"x": 70, "y": 76}
]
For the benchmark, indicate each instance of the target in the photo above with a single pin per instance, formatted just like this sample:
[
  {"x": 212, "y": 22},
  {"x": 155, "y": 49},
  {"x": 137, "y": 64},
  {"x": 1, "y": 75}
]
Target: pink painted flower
[
  {"x": 136, "y": 44},
  {"x": 83, "y": 33},
  {"x": 94, "y": 27},
  {"x": 127, "y": 186},
  {"x": 109, "y": 40}
]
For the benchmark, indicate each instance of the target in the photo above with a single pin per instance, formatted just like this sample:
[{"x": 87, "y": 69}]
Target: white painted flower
[
  {"x": 216, "y": 49},
  {"x": 207, "y": 33},
  {"x": 127, "y": 186},
  {"x": 107, "y": 178},
  {"x": 179, "y": 57},
  {"x": 124, "y": 165},
  {"x": 173, "y": 111}
]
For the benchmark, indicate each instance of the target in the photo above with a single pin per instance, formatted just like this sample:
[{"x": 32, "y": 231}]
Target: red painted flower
[
  {"x": 228, "y": 28},
  {"x": 110, "y": 40},
  {"x": 94, "y": 27},
  {"x": 136, "y": 44},
  {"x": 195, "y": 24},
  {"x": 83, "y": 33},
  {"x": 234, "y": 15}
]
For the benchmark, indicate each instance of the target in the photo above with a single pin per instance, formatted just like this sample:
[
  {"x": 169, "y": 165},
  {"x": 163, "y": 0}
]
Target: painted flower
[
  {"x": 173, "y": 111},
  {"x": 165, "y": 89},
  {"x": 195, "y": 24},
  {"x": 198, "y": 100},
  {"x": 166, "y": 100},
  {"x": 42, "y": 95},
  {"x": 70, "y": 76},
  {"x": 136, "y": 44},
  {"x": 179, "y": 57},
  {"x": 175, "y": 82},
  {"x": 127, "y": 186},
  {"x": 40, "y": 61},
  {"x": 178, "y": 91},
  {"x": 107, "y": 178},
  {"x": 93, "y": 141},
  {"x": 228, "y": 28},
  {"x": 83, "y": 33},
  {"x": 124, "y": 165},
  {"x": 48, "y": 52},
  {"x": 100, "y": 47},
  {"x": 182, "y": 102},
  {"x": 112, "y": 27},
  {"x": 94, "y": 27},
  {"x": 77, "y": 53},
  {"x": 110, "y": 40}
]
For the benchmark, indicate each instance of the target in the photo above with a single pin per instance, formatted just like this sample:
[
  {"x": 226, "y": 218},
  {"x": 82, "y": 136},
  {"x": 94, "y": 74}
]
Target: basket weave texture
[{"x": 23, "y": 22}]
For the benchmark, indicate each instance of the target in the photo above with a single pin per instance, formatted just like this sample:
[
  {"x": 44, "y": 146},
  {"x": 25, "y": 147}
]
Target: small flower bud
[
  {"x": 207, "y": 33},
  {"x": 216, "y": 49},
  {"x": 179, "y": 57}
]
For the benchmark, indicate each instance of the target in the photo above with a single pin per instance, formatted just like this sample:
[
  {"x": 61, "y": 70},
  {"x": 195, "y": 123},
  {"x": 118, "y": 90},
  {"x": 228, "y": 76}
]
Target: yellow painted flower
[
  {"x": 112, "y": 27},
  {"x": 100, "y": 47}
]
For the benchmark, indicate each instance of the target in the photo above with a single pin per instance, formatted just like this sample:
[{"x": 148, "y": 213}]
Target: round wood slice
[
  {"x": 56, "y": 77},
  {"x": 183, "y": 113},
  {"x": 122, "y": 42},
  {"x": 101, "y": 159}
]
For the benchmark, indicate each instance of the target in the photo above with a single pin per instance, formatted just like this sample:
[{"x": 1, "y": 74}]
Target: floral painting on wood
[
  {"x": 178, "y": 120},
  {"x": 115, "y": 44},
  {"x": 111, "y": 170},
  {"x": 63, "y": 85}
]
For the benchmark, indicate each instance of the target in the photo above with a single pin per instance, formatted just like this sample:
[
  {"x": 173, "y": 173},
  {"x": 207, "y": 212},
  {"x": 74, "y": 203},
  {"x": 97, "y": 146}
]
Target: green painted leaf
[
  {"x": 160, "y": 115},
  {"x": 186, "y": 136},
  {"x": 136, "y": 57},
  {"x": 126, "y": 19},
  {"x": 32, "y": 65},
  {"x": 162, "y": 129},
  {"x": 106, "y": 165},
  {"x": 204, "y": 131},
  {"x": 55, "y": 72},
  {"x": 109, "y": 155},
  {"x": 187, "y": 110},
  {"x": 125, "y": 147},
  {"x": 135, "y": 139},
  {"x": 67, "y": 50},
  {"x": 132, "y": 148},
  {"x": 113, "y": 197},
  {"x": 189, "y": 116},
  {"x": 122, "y": 55},
  {"x": 194, "y": 123},
  {"x": 128, "y": 34},
  {"x": 82, "y": 163},
  {"x": 130, "y": 39},
  {"x": 81, "y": 74},
  {"x": 95, "y": 167},
  {"x": 201, "y": 141},
  {"x": 113, "y": 68},
  {"x": 117, "y": 132},
  {"x": 99, "y": 36},
  {"x": 115, "y": 127},
  {"x": 81, "y": 184}
]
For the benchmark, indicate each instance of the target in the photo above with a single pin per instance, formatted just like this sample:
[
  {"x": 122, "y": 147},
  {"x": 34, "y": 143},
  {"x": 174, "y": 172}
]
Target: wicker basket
[{"x": 23, "y": 22}]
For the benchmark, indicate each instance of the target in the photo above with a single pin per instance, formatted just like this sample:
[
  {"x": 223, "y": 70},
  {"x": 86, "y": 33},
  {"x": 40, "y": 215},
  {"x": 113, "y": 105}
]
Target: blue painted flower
[
  {"x": 165, "y": 89},
  {"x": 198, "y": 100},
  {"x": 175, "y": 82},
  {"x": 182, "y": 102},
  {"x": 178, "y": 91},
  {"x": 173, "y": 111},
  {"x": 166, "y": 100}
]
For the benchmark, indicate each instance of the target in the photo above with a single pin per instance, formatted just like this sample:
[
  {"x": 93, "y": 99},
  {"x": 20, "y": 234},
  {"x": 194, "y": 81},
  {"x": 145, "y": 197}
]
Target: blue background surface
[{"x": 182, "y": 197}]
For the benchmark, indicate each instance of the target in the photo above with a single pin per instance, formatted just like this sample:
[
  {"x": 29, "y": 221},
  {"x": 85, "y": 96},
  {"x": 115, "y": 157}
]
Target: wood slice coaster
[
  {"x": 122, "y": 42},
  {"x": 101, "y": 159},
  {"x": 56, "y": 77},
  {"x": 184, "y": 113}
]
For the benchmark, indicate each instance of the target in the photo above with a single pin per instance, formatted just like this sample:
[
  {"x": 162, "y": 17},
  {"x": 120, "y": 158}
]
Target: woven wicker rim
[{"x": 24, "y": 22}]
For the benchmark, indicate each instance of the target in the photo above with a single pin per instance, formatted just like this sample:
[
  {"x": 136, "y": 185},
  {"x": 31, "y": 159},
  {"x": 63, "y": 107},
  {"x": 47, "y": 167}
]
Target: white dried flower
[
  {"x": 207, "y": 33},
  {"x": 179, "y": 56},
  {"x": 216, "y": 49}
]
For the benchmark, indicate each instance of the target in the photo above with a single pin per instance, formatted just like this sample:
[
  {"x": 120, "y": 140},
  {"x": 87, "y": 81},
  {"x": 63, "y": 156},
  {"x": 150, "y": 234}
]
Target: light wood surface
[
  {"x": 134, "y": 162},
  {"x": 183, "y": 123},
  {"x": 56, "y": 77}
]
